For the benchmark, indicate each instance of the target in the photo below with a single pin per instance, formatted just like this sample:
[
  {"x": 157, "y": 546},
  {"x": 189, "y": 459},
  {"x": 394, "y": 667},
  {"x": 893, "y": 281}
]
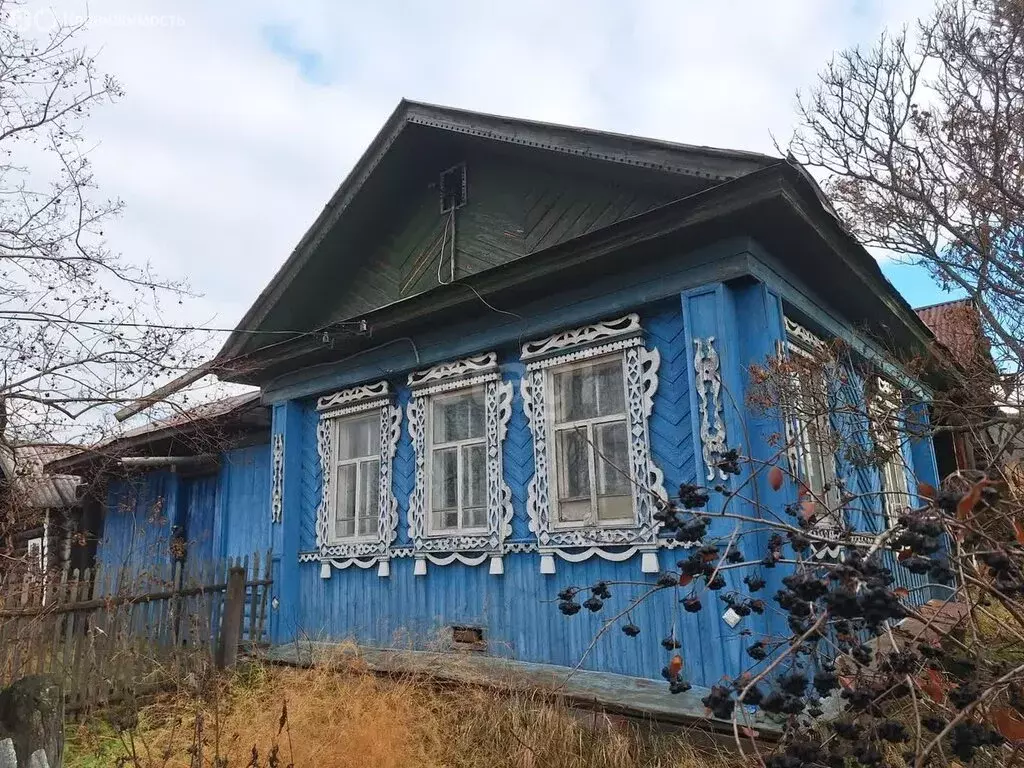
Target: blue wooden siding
[
  {"x": 226, "y": 513},
  {"x": 244, "y": 482},
  {"x": 137, "y": 523},
  {"x": 517, "y": 610}
]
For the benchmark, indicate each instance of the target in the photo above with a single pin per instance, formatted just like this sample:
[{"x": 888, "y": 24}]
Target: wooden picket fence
[{"x": 106, "y": 632}]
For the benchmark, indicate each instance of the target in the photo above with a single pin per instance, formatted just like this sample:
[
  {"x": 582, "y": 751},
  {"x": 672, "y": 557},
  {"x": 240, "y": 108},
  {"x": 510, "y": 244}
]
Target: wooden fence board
[{"x": 99, "y": 631}]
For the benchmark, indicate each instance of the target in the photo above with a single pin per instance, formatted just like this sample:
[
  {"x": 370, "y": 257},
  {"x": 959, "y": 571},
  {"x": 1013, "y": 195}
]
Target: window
[
  {"x": 591, "y": 435},
  {"x": 813, "y": 433},
  {"x": 588, "y": 394},
  {"x": 356, "y": 438},
  {"x": 809, "y": 435},
  {"x": 356, "y": 476},
  {"x": 458, "y": 462},
  {"x": 885, "y": 414},
  {"x": 460, "y": 508}
]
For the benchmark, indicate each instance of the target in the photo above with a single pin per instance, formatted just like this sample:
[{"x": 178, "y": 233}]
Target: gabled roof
[{"x": 706, "y": 164}]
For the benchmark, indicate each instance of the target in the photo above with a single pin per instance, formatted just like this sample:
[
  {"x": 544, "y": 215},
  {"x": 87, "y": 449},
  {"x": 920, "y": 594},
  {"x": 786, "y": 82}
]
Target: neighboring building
[
  {"x": 39, "y": 510},
  {"x": 163, "y": 491},
  {"x": 979, "y": 400},
  {"x": 515, "y": 337}
]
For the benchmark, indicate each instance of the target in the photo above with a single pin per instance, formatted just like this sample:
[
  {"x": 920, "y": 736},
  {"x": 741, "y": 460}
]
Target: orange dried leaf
[
  {"x": 1018, "y": 531},
  {"x": 775, "y": 478},
  {"x": 685, "y": 579},
  {"x": 901, "y": 592},
  {"x": 675, "y": 665},
  {"x": 1008, "y": 722},
  {"x": 970, "y": 500},
  {"x": 934, "y": 686},
  {"x": 846, "y": 682},
  {"x": 926, "y": 490},
  {"x": 749, "y": 732}
]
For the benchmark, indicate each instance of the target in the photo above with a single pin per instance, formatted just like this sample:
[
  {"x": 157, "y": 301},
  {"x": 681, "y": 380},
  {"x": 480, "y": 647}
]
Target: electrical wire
[
  {"x": 449, "y": 223},
  {"x": 360, "y": 324}
]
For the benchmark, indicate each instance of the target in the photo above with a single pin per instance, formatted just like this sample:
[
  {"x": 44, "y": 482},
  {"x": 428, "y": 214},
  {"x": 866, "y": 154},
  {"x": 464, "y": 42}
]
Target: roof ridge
[
  {"x": 963, "y": 300},
  {"x": 667, "y": 143}
]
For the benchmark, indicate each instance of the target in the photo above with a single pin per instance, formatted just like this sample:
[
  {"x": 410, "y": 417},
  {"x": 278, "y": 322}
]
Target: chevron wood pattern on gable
[{"x": 513, "y": 209}]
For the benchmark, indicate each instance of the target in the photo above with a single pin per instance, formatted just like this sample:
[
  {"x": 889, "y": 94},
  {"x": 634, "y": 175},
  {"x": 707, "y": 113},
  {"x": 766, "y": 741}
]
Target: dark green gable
[
  {"x": 517, "y": 203},
  {"x": 530, "y": 186}
]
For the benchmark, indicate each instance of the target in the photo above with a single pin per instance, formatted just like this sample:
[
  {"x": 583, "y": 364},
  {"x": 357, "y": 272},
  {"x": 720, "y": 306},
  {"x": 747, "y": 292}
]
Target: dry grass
[{"x": 338, "y": 719}]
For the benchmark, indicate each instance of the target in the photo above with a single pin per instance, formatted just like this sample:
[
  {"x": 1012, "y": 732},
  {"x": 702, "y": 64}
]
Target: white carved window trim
[
  {"x": 886, "y": 405},
  {"x": 802, "y": 342},
  {"x": 446, "y": 547},
  {"x": 624, "y": 336},
  {"x": 364, "y": 551}
]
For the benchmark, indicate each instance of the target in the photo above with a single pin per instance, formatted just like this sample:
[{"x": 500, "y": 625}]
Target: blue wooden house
[{"x": 508, "y": 340}]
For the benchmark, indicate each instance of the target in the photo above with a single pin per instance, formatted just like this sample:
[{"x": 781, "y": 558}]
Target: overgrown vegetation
[{"x": 279, "y": 716}]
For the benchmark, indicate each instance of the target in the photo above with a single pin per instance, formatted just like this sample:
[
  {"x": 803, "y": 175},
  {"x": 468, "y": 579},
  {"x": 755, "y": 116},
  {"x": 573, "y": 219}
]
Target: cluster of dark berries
[
  {"x": 675, "y": 518},
  {"x": 965, "y": 738},
  {"x": 741, "y": 606},
  {"x": 720, "y": 702},
  {"x": 674, "y": 674},
  {"x": 729, "y": 462},
  {"x": 1006, "y": 576},
  {"x": 569, "y": 606}
]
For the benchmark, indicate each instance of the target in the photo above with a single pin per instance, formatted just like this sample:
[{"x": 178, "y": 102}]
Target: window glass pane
[
  {"x": 474, "y": 517},
  {"x": 614, "y": 508},
  {"x": 573, "y": 511},
  {"x": 589, "y": 391},
  {"x": 573, "y": 463},
  {"x": 474, "y": 486},
  {"x": 444, "y": 487},
  {"x": 358, "y": 437},
  {"x": 575, "y": 395},
  {"x": 345, "y": 500},
  {"x": 612, "y": 458},
  {"x": 459, "y": 417},
  {"x": 611, "y": 398},
  {"x": 369, "y": 483}
]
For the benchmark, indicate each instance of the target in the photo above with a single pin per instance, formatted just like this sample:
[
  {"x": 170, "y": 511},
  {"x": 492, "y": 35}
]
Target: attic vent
[
  {"x": 453, "y": 188},
  {"x": 469, "y": 638}
]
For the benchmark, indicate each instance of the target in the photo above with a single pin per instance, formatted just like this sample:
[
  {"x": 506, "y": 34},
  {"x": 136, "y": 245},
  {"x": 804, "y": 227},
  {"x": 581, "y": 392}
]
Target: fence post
[{"x": 231, "y": 624}]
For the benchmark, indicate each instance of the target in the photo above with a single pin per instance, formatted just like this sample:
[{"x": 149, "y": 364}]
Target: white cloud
[{"x": 224, "y": 154}]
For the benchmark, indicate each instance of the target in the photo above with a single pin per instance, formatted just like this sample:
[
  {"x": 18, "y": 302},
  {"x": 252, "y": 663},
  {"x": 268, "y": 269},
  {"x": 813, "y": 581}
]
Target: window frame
[
  {"x": 361, "y": 550},
  {"x": 452, "y": 378},
  {"x": 623, "y": 335},
  {"x": 592, "y": 519},
  {"x": 356, "y": 537},
  {"x": 887, "y": 401},
  {"x": 431, "y": 448},
  {"x": 799, "y": 449}
]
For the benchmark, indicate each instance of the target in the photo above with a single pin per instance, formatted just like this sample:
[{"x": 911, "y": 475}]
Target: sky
[{"x": 241, "y": 118}]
